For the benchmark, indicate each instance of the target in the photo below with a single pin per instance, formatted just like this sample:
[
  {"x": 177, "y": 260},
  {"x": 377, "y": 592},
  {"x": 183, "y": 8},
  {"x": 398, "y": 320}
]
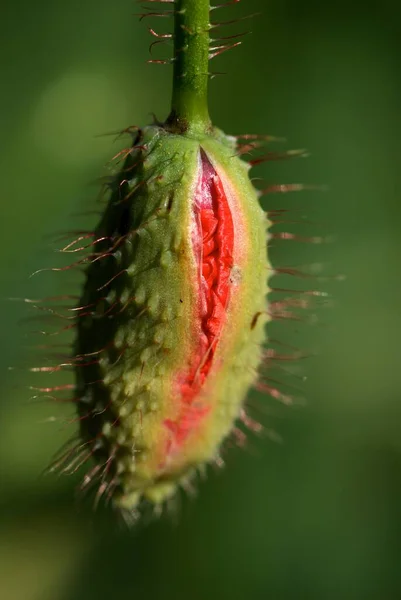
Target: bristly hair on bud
[{"x": 170, "y": 325}]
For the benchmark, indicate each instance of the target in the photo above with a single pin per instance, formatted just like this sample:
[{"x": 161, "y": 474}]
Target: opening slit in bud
[{"x": 213, "y": 246}]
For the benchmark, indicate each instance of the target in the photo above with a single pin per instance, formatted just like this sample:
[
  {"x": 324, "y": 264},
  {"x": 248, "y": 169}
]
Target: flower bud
[{"x": 178, "y": 281}]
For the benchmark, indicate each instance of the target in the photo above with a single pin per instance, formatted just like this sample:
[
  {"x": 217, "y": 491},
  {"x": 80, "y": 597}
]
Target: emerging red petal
[{"x": 213, "y": 245}]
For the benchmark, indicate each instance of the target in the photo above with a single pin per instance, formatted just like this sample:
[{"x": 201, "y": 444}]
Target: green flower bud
[{"x": 178, "y": 282}]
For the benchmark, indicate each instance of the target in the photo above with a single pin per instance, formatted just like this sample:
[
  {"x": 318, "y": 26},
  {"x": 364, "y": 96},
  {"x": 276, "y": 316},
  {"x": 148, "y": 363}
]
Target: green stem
[{"x": 189, "y": 106}]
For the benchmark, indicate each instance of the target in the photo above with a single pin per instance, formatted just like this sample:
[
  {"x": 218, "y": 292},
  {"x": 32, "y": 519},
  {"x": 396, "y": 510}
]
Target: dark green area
[{"x": 317, "y": 516}]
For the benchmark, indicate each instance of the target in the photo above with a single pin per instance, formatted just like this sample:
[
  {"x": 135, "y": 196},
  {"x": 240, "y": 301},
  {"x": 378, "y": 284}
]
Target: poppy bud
[{"x": 173, "y": 345}]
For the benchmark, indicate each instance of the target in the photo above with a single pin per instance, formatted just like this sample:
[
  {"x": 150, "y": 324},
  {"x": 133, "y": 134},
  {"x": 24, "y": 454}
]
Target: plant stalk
[{"x": 189, "y": 106}]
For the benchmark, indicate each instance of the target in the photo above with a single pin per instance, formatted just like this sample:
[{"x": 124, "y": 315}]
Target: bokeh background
[{"x": 314, "y": 510}]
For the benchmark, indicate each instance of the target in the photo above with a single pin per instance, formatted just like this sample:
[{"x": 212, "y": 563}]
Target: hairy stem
[{"x": 189, "y": 106}]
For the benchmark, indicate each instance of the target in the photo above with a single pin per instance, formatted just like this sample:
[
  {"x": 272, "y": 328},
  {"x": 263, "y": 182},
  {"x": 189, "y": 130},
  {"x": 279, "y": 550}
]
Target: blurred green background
[{"x": 317, "y": 516}]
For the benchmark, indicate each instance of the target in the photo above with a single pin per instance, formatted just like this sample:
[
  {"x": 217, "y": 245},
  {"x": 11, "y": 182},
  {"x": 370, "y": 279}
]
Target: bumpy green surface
[{"x": 140, "y": 333}]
